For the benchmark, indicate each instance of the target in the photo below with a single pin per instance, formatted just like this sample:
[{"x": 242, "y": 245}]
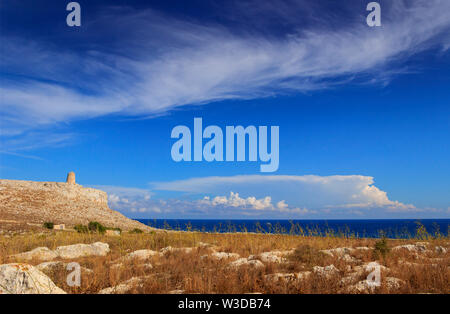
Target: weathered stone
[
  {"x": 170, "y": 249},
  {"x": 368, "y": 267},
  {"x": 125, "y": 287},
  {"x": 33, "y": 203},
  {"x": 246, "y": 262},
  {"x": 83, "y": 250},
  {"x": 142, "y": 254},
  {"x": 418, "y": 247},
  {"x": 280, "y": 277},
  {"x": 224, "y": 255},
  {"x": 19, "y": 278},
  {"x": 271, "y": 257},
  {"x": 327, "y": 271},
  {"x": 363, "y": 286},
  {"x": 50, "y": 267},
  {"x": 350, "y": 278},
  {"x": 39, "y": 253},
  {"x": 393, "y": 283},
  {"x": 340, "y": 251},
  {"x": 348, "y": 258},
  {"x": 47, "y": 267}
]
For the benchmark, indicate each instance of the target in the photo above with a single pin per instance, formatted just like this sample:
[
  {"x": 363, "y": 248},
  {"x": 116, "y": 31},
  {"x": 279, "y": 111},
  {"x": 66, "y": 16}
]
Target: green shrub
[
  {"x": 48, "y": 225},
  {"x": 81, "y": 228},
  {"x": 381, "y": 248},
  {"x": 95, "y": 226},
  {"x": 308, "y": 255},
  {"x": 136, "y": 231},
  {"x": 421, "y": 231}
]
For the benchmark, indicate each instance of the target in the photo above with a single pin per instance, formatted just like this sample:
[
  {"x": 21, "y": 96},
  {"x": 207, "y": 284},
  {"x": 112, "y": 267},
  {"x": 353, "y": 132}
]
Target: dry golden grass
[{"x": 427, "y": 273}]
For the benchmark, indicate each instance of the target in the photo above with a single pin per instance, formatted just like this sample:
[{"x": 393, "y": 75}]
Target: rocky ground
[
  {"x": 217, "y": 263},
  {"x": 26, "y": 205}
]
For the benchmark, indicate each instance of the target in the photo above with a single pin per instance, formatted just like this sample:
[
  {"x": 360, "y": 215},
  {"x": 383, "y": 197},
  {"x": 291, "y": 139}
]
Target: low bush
[
  {"x": 81, "y": 228},
  {"x": 48, "y": 225},
  {"x": 95, "y": 226},
  {"x": 381, "y": 248},
  {"x": 307, "y": 254}
]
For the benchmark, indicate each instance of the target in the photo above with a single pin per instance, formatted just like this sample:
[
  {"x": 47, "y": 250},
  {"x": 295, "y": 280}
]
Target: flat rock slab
[
  {"x": 39, "y": 253},
  {"x": 82, "y": 250},
  {"x": 17, "y": 278},
  {"x": 66, "y": 252},
  {"x": 246, "y": 262},
  {"x": 142, "y": 254}
]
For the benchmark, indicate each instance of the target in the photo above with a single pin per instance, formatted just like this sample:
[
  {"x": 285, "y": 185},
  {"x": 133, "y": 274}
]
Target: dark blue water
[{"x": 392, "y": 228}]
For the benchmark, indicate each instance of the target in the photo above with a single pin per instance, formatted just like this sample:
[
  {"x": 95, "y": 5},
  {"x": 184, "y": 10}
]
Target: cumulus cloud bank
[
  {"x": 311, "y": 191},
  {"x": 249, "y": 203},
  {"x": 261, "y": 196}
]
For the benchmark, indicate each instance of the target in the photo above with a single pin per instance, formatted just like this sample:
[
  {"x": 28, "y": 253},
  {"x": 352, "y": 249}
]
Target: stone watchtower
[{"x": 71, "y": 178}]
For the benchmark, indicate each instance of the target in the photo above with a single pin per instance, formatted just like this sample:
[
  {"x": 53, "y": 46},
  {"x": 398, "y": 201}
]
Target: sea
[{"x": 370, "y": 228}]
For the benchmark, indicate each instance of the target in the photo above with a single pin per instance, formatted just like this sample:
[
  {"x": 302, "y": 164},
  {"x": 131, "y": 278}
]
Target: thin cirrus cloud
[{"x": 167, "y": 62}]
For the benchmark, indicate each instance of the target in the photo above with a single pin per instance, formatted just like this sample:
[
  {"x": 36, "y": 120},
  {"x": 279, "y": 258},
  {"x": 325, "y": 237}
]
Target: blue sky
[{"x": 363, "y": 112}]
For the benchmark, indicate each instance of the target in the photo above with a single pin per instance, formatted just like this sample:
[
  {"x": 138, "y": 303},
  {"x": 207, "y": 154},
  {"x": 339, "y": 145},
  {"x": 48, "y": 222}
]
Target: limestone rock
[
  {"x": 47, "y": 267},
  {"x": 280, "y": 277},
  {"x": 363, "y": 286},
  {"x": 340, "y": 251},
  {"x": 348, "y": 258},
  {"x": 224, "y": 255},
  {"x": 350, "y": 278},
  {"x": 393, "y": 283},
  {"x": 142, "y": 254},
  {"x": 123, "y": 287},
  {"x": 82, "y": 250},
  {"x": 327, "y": 271},
  {"x": 418, "y": 247},
  {"x": 368, "y": 267},
  {"x": 271, "y": 257},
  {"x": 50, "y": 267},
  {"x": 287, "y": 277},
  {"x": 20, "y": 278},
  {"x": 246, "y": 262},
  {"x": 170, "y": 249},
  {"x": 39, "y": 253},
  {"x": 31, "y": 203}
]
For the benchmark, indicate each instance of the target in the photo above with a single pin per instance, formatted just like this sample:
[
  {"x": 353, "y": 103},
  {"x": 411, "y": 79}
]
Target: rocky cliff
[{"x": 29, "y": 203}]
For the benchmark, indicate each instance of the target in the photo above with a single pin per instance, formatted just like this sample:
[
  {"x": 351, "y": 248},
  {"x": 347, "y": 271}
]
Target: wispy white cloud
[
  {"x": 17, "y": 144},
  {"x": 164, "y": 63}
]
